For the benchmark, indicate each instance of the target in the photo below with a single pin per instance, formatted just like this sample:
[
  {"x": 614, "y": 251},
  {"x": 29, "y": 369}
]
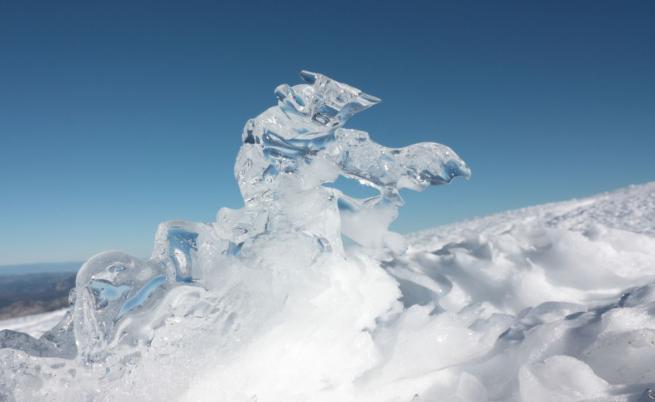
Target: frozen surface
[
  {"x": 550, "y": 303},
  {"x": 34, "y": 325}
]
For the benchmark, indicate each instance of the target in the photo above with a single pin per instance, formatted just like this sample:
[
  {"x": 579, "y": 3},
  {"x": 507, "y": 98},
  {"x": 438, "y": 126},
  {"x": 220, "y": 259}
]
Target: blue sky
[{"x": 117, "y": 115}]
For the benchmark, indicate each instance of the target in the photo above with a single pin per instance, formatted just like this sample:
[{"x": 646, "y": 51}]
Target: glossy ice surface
[{"x": 219, "y": 280}]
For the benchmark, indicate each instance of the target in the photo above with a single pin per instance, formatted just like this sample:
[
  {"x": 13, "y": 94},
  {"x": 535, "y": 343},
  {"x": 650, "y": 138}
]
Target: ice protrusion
[
  {"x": 292, "y": 149},
  {"x": 108, "y": 287},
  {"x": 233, "y": 274}
]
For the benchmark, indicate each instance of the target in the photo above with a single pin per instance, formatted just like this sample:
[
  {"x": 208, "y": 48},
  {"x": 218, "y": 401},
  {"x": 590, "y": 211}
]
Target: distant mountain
[
  {"x": 35, "y": 288},
  {"x": 40, "y": 268}
]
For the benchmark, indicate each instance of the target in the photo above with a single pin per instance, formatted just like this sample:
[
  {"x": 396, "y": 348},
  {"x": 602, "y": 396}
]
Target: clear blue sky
[{"x": 117, "y": 115}]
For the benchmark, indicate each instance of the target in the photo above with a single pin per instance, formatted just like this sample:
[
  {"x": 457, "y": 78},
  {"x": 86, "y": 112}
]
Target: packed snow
[{"x": 549, "y": 303}]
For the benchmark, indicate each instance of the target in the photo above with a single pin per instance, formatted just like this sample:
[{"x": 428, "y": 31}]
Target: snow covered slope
[
  {"x": 549, "y": 303},
  {"x": 34, "y": 325},
  {"x": 556, "y": 302}
]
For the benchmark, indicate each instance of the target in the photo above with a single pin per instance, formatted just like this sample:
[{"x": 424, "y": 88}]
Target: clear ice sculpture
[{"x": 287, "y": 154}]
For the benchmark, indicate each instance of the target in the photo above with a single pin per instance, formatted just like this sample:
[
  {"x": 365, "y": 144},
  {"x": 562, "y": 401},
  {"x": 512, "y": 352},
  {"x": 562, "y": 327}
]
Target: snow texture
[{"x": 550, "y": 303}]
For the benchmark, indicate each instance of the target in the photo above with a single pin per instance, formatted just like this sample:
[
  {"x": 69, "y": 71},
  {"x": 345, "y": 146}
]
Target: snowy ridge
[
  {"x": 631, "y": 208},
  {"x": 569, "y": 286}
]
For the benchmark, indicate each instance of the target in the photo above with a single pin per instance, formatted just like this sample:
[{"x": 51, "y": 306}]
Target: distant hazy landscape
[{"x": 35, "y": 288}]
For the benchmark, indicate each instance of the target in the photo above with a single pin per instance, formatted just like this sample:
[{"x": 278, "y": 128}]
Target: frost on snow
[{"x": 266, "y": 304}]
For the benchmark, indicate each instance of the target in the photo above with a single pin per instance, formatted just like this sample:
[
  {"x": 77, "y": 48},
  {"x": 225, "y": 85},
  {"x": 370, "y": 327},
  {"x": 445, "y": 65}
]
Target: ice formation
[
  {"x": 550, "y": 303},
  {"x": 217, "y": 283}
]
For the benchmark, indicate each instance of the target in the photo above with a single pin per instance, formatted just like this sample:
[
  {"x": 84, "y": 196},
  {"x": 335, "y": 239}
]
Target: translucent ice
[
  {"x": 215, "y": 284},
  {"x": 292, "y": 148}
]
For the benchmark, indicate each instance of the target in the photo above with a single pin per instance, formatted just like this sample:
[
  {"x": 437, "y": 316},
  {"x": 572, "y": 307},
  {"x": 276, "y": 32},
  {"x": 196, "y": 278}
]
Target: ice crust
[{"x": 554, "y": 303}]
